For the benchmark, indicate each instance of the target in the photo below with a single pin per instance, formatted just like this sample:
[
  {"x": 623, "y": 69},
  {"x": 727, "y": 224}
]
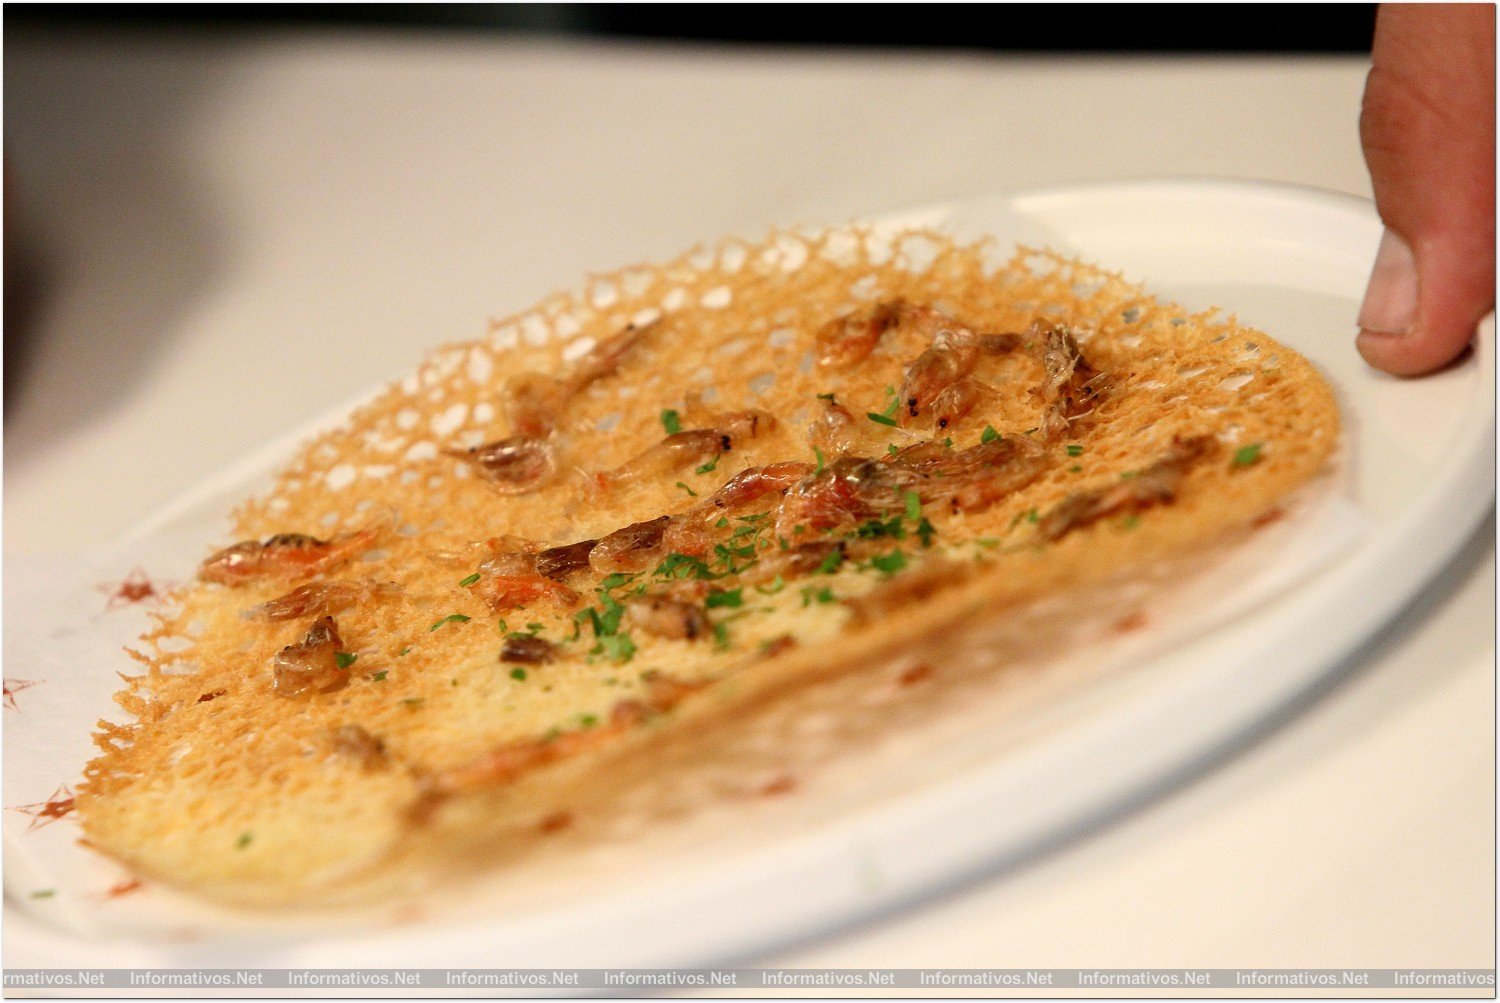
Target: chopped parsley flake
[
  {"x": 889, "y": 563},
  {"x": 246, "y": 838},
  {"x": 819, "y": 454},
  {"x": 886, "y": 417},
  {"x": 723, "y": 521},
  {"x": 777, "y": 584},
  {"x": 690, "y": 491},
  {"x": 990, "y": 435},
  {"x": 379, "y": 677},
  {"x": 832, "y": 562},
  {"x": 1131, "y": 522},
  {"x": 877, "y": 528},
  {"x": 709, "y": 467},
  {"x": 44, "y": 893},
  {"x": 679, "y": 566},
  {"x": 469, "y": 581},
  {"x": 729, "y": 599},
  {"x": 588, "y": 720},
  {"x": 1075, "y": 450},
  {"x": 925, "y": 532},
  {"x": 891, "y": 448},
  {"x": 913, "y": 506},
  {"x": 1075, "y": 469},
  {"x": 450, "y": 618},
  {"x": 671, "y": 421},
  {"x": 412, "y": 702},
  {"x": 613, "y": 581},
  {"x": 619, "y": 648},
  {"x": 827, "y": 397},
  {"x": 518, "y": 674},
  {"x": 812, "y": 594},
  {"x": 1246, "y": 455},
  {"x": 344, "y": 659}
]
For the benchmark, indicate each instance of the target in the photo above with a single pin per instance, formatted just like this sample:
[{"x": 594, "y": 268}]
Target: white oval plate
[{"x": 1418, "y": 468}]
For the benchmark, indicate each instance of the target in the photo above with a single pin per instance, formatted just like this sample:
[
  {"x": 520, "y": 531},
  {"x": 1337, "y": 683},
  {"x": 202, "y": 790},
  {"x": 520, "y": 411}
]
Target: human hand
[{"x": 1428, "y": 130}]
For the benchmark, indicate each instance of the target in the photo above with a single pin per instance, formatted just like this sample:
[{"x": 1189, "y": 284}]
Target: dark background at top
[{"x": 1121, "y": 28}]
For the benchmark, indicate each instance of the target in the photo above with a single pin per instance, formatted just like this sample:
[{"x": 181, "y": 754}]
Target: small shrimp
[
  {"x": 605, "y": 357},
  {"x": 846, "y": 341},
  {"x": 849, "y": 489},
  {"x": 1000, "y": 344},
  {"x": 632, "y": 548},
  {"x": 509, "y": 555},
  {"x": 355, "y": 743},
  {"x": 796, "y": 561},
  {"x": 557, "y": 563},
  {"x": 1155, "y": 485},
  {"x": 754, "y": 483},
  {"x": 524, "y": 649},
  {"x": 1071, "y": 385},
  {"x": 312, "y": 664},
  {"x": 283, "y": 556},
  {"x": 972, "y": 479},
  {"x": 683, "y": 449},
  {"x": 323, "y": 598},
  {"x": 515, "y": 466},
  {"x": 669, "y": 618},
  {"x": 833, "y": 432},
  {"x": 952, "y": 356},
  {"x": 507, "y": 592},
  {"x": 534, "y": 402},
  {"x": 959, "y": 400},
  {"x": 674, "y": 453}
]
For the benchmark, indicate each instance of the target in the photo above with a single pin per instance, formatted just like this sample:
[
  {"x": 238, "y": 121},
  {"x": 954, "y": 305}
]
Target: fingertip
[{"x": 1413, "y": 354}]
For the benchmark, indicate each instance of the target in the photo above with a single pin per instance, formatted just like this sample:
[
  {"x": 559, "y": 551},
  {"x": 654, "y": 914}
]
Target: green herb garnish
[
  {"x": 1075, "y": 450},
  {"x": 690, "y": 491},
  {"x": 777, "y": 584},
  {"x": 614, "y": 581},
  {"x": 889, "y": 563},
  {"x": 989, "y": 434},
  {"x": 379, "y": 677},
  {"x": 832, "y": 562},
  {"x": 246, "y": 838},
  {"x": 812, "y": 594},
  {"x": 450, "y": 618},
  {"x": 44, "y": 893},
  {"x": 519, "y": 675},
  {"x": 344, "y": 659},
  {"x": 709, "y": 467},
  {"x": 913, "y": 506},
  {"x": 1246, "y": 455},
  {"x": 413, "y": 702},
  {"x": 728, "y": 599},
  {"x": 925, "y": 532},
  {"x": 671, "y": 421},
  {"x": 880, "y": 418},
  {"x": 469, "y": 581},
  {"x": 819, "y": 454}
]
